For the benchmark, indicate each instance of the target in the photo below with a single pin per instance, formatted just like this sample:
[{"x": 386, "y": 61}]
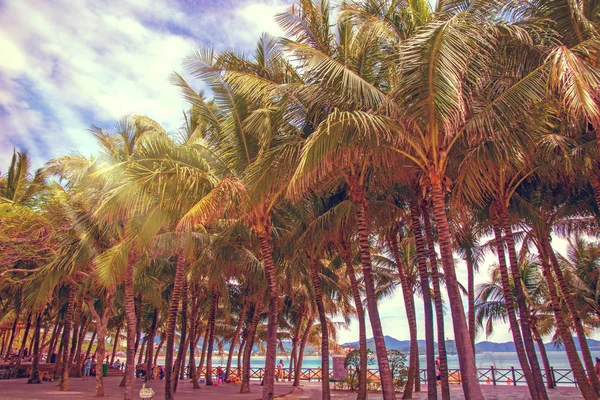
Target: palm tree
[
  {"x": 101, "y": 323},
  {"x": 437, "y": 300},
  {"x": 491, "y": 303},
  {"x": 248, "y": 151},
  {"x": 323, "y": 164},
  {"x": 407, "y": 292},
  {"x": 417, "y": 231},
  {"x": 466, "y": 238},
  {"x": 540, "y": 215},
  {"x": 581, "y": 266}
]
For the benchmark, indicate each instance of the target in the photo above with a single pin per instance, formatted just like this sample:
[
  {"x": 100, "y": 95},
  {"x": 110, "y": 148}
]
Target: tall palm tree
[
  {"x": 324, "y": 164},
  {"x": 254, "y": 142},
  {"x": 491, "y": 302},
  {"x": 466, "y": 238}
]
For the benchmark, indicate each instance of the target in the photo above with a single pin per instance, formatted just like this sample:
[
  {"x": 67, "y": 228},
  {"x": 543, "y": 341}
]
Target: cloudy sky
[{"x": 66, "y": 65}]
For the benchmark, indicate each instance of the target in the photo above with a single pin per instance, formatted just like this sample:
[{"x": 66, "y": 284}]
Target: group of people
[
  {"x": 157, "y": 372},
  {"x": 117, "y": 364}
]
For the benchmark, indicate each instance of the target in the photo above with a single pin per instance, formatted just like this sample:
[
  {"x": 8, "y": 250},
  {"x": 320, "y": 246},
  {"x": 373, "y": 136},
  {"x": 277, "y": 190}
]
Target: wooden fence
[{"x": 490, "y": 376}]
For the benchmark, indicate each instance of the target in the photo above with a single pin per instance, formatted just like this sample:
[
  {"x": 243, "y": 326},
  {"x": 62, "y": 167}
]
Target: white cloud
[{"x": 66, "y": 65}]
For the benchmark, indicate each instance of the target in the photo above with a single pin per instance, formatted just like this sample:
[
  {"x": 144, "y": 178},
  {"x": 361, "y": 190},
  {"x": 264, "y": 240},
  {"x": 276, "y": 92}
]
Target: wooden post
[
  {"x": 513, "y": 376},
  {"x": 493, "y": 375}
]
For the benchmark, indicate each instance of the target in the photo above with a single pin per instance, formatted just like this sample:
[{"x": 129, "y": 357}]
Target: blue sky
[{"x": 66, "y": 65}]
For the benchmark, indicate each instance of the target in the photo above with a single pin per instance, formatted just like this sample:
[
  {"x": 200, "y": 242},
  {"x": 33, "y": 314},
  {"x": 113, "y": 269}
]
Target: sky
[{"x": 66, "y": 65}]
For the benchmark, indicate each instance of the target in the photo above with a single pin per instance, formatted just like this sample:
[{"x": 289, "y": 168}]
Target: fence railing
[{"x": 490, "y": 376}]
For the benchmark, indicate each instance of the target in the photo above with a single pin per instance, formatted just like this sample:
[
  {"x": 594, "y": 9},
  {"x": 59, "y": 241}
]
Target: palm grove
[{"x": 312, "y": 178}]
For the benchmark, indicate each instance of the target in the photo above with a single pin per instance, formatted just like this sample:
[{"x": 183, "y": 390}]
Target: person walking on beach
[{"x": 438, "y": 371}]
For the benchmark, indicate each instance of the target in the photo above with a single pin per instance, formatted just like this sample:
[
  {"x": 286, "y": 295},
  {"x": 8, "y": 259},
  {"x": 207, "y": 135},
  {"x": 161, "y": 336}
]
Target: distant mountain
[
  {"x": 390, "y": 343},
  {"x": 593, "y": 344},
  {"x": 481, "y": 347},
  {"x": 492, "y": 347},
  {"x": 508, "y": 347}
]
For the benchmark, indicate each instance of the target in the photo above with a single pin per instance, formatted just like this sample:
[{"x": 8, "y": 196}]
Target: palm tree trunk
[
  {"x": 150, "y": 348},
  {"x": 437, "y": 301},
  {"x": 59, "y": 355},
  {"x": 543, "y": 354},
  {"x": 192, "y": 363},
  {"x": 158, "y": 349},
  {"x": 385, "y": 373},
  {"x": 15, "y": 371},
  {"x": 236, "y": 337},
  {"x": 183, "y": 334},
  {"x": 316, "y": 281},
  {"x": 295, "y": 339},
  {"x": 101, "y": 327},
  {"x": 240, "y": 352},
  {"x": 80, "y": 339},
  {"x": 273, "y": 293},
  {"x": 425, "y": 292},
  {"x": 43, "y": 342},
  {"x": 418, "y": 370},
  {"x": 172, "y": 324},
  {"x": 138, "y": 324},
  {"x": 409, "y": 305},
  {"x": 510, "y": 308},
  {"x": 131, "y": 320},
  {"x": 77, "y": 327},
  {"x": 362, "y": 326},
  {"x": 466, "y": 356},
  {"x": 595, "y": 182},
  {"x": 141, "y": 353},
  {"x": 35, "y": 362},
  {"x": 2, "y": 348},
  {"x": 115, "y": 345},
  {"x": 522, "y": 305},
  {"x": 203, "y": 352},
  {"x": 54, "y": 339},
  {"x": 100, "y": 351},
  {"x": 91, "y": 344},
  {"x": 194, "y": 334},
  {"x": 212, "y": 317},
  {"x": 309, "y": 324},
  {"x": 581, "y": 337},
  {"x": 182, "y": 363},
  {"x": 245, "y": 387},
  {"x": 31, "y": 344},
  {"x": 471, "y": 294},
  {"x": 585, "y": 387},
  {"x": 12, "y": 338},
  {"x": 64, "y": 382}
]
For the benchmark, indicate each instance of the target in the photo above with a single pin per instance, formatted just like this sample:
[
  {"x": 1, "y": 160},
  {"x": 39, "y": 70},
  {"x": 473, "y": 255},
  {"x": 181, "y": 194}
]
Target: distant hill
[
  {"x": 492, "y": 347},
  {"x": 481, "y": 347},
  {"x": 390, "y": 343}
]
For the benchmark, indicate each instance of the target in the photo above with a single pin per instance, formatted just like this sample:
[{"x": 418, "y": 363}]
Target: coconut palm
[
  {"x": 491, "y": 303},
  {"x": 467, "y": 232},
  {"x": 254, "y": 142},
  {"x": 501, "y": 174},
  {"x": 539, "y": 217}
]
